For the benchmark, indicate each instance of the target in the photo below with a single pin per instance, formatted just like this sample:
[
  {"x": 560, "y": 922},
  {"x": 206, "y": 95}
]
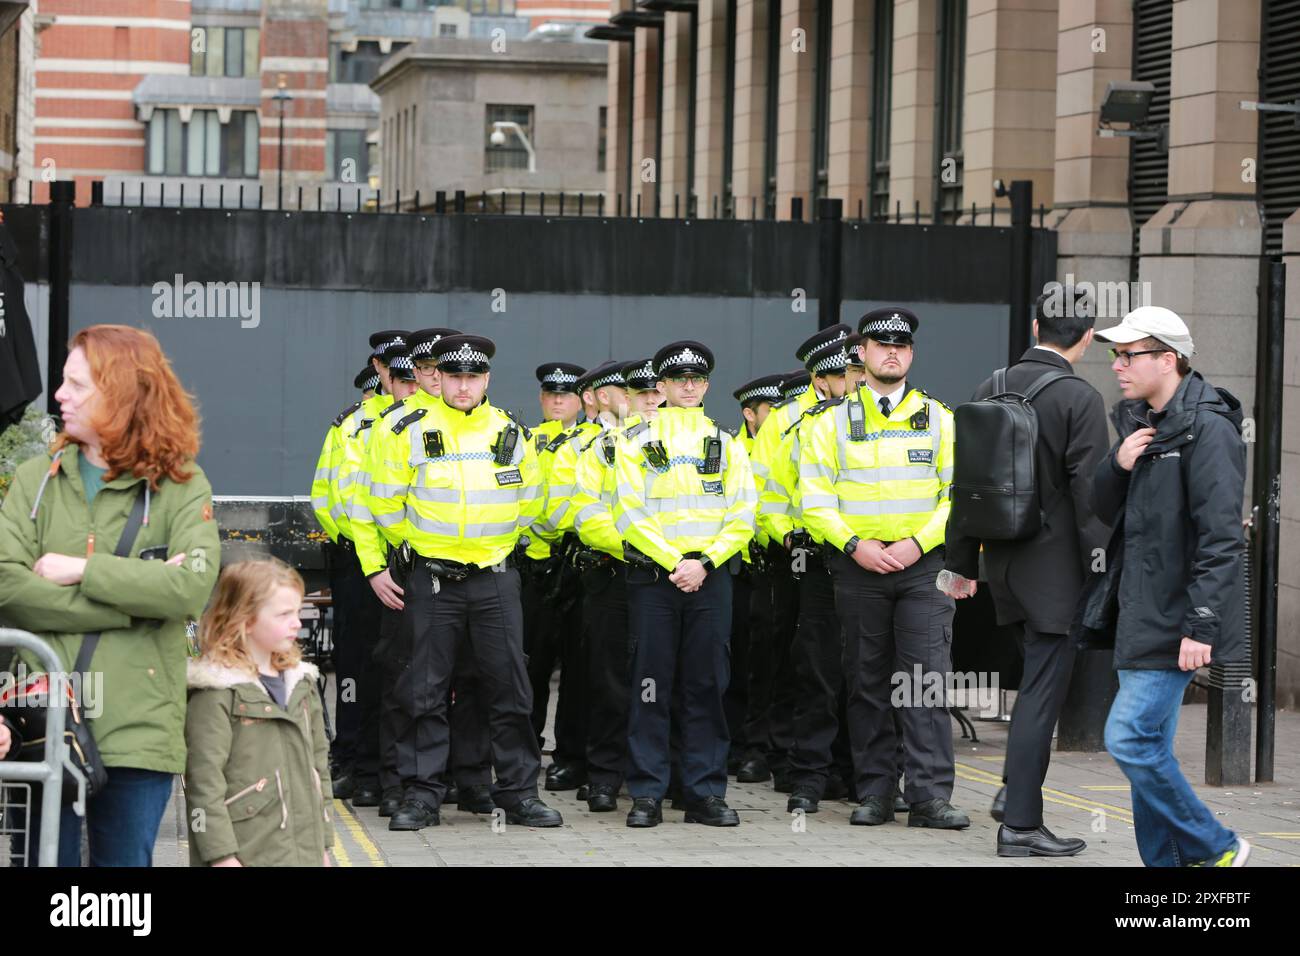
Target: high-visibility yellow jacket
[
  {"x": 557, "y": 513},
  {"x": 773, "y": 466},
  {"x": 862, "y": 474},
  {"x": 541, "y": 535},
  {"x": 370, "y": 506},
  {"x": 442, "y": 490},
  {"x": 595, "y": 483},
  {"x": 545, "y": 433},
  {"x": 665, "y": 512},
  {"x": 748, "y": 440},
  {"x": 323, "y": 499}
]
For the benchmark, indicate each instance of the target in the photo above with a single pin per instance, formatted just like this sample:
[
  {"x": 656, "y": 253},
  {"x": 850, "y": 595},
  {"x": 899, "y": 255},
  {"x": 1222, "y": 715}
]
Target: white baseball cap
[{"x": 1151, "y": 321}]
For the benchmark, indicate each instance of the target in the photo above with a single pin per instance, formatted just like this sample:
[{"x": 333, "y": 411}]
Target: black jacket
[
  {"x": 1039, "y": 580},
  {"x": 1176, "y": 560}
]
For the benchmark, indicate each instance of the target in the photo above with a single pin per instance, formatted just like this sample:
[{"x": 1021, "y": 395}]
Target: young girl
[{"x": 257, "y": 773}]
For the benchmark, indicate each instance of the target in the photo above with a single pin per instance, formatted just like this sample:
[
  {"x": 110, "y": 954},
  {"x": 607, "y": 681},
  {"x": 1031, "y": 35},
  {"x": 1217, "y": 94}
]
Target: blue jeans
[
  {"x": 1174, "y": 828},
  {"x": 123, "y": 820}
]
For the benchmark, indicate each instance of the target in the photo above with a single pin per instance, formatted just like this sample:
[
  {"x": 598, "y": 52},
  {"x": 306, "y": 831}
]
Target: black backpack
[{"x": 994, "y": 485}]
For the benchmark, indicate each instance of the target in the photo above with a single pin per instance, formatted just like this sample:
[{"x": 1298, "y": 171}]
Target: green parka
[
  {"x": 257, "y": 778},
  {"x": 138, "y": 713}
]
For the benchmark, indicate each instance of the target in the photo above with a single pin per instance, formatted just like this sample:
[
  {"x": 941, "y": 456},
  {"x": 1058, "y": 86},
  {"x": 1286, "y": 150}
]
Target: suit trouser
[
  {"x": 816, "y": 659},
  {"x": 604, "y": 618},
  {"x": 736, "y": 702},
  {"x": 775, "y": 611},
  {"x": 550, "y": 639},
  {"x": 893, "y": 625},
  {"x": 389, "y": 665},
  {"x": 356, "y": 633},
  {"x": 1049, "y": 661},
  {"x": 680, "y": 671},
  {"x": 480, "y": 616}
]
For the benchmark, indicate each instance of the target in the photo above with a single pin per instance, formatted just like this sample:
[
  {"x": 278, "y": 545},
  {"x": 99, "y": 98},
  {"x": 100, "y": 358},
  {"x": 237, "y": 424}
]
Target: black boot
[
  {"x": 645, "y": 812},
  {"x": 391, "y": 800},
  {"x": 602, "y": 798},
  {"x": 414, "y": 815},
  {"x": 753, "y": 769},
  {"x": 531, "y": 812},
  {"x": 366, "y": 793},
  {"x": 804, "y": 798},
  {"x": 475, "y": 798},
  {"x": 938, "y": 814},
  {"x": 713, "y": 812},
  {"x": 872, "y": 812}
]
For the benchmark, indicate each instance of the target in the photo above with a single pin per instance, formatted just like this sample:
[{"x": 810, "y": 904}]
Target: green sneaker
[{"x": 1237, "y": 856}]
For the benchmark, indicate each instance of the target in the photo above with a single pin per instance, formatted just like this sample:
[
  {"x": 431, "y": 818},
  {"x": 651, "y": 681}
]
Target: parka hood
[
  {"x": 1194, "y": 395},
  {"x": 205, "y": 674}
]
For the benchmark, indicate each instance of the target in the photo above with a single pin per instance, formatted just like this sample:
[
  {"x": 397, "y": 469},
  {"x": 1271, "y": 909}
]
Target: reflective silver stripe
[
  {"x": 337, "y": 512},
  {"x": 627, "y": 490},
  {"x": 490, "y": 530},
  {"x": 558, "y": 515},
  {"x": 360, "y": 511},
  {"x": 628, "y": 518},
  {"x": 901, "y": 506},
  {"x": 686, "y": 502},
  {"x": 773, "y": 507},
  {"x": 441, "y": 495},
  {"x": 493, "y": 496},
  {"x": 692, "y": 529},
  {"x": 325, "y": 474},
  {"x": 819, "y": 501},
  {"x": 586, "y": 514},
  {"x": 773, "y": 487},
  {"x": 380, "y": 490},
  {"x": 320, "y": 503},
  {"x": 446, "y": 529},
  {"x": 865, "y": 476},
  {"x": 945, "y": 474},
  {"x": 936, "y": 427},
  {"x": 559, "y": 491},
  {"x": 812, "y": 469},
  {"x": 528, "y": 492},
  {"x": 348, "y": 481},
  {"x": 389, "y": 520},
  {"x": 759, "y": 469}
]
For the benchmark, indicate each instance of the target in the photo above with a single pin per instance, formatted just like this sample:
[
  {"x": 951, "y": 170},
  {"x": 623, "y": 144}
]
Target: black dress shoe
[
  {"x": 531, "y": 812},
  {"x": 452, "y": 795},
  {"x": 734, "y": 760},
  {"x": 999, "y": 808},
  {"x": 1039, "y": 842},
  {"x": 713, "y": 812},
  {"x": 645, "y": 812},
  {"x": 366, "y": 794},
  {"x": 900, "y": 805},
  {"x": 343, "y": 784},
  {"x": 753, "y": 769},
  {"x": 938, "y": 814},
  {"x": 414, "y": 815},
  {"x": 392, "y": 799},
  {"x": 583, "y": 792},
  {"x": 872, "y": 812},
  {"x": 476, "y": 798},
  {"x": 565, "y": 778},
  {"x": 804, "y": 798},
  {"x": 602, "y": 798},
  {"x": 782, "y": 781}
]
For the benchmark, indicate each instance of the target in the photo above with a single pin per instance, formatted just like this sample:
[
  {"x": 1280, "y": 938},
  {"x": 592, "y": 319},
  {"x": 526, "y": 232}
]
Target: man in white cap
[{"x": 1172, "y": 488}]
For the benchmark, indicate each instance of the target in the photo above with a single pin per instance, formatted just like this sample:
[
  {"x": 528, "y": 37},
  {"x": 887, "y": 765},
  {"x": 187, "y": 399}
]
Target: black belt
[{"x": 456, "y": 571}]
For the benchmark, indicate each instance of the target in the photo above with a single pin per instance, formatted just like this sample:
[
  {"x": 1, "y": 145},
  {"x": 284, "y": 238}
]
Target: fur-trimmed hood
[{"x": 205, "y": 674}]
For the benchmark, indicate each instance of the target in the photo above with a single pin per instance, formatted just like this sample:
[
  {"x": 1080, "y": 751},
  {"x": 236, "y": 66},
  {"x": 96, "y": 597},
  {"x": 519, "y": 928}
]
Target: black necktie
[{"x": 884, "y": 407}]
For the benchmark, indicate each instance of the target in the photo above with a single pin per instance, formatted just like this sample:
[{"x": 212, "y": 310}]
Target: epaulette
[
  {"x": 528, "y": 432},
  {"x": 734, "y": 431},
  {"x": 338, "y": 419},
  {"x": 636, "y": 429},
  {"x": 785, "y": 401},
  {"x": 393, "y": 407},
  {"x": 558, "y": 441},
  {"x": 399, "y": 426},
  {"x": 933, "y": 399},
  {"x": 814, "y": 409}
]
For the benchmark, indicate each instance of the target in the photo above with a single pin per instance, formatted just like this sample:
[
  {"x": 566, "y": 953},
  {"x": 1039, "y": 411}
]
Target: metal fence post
[
  {"x": 830, "y": 213},
  {"x": 63, "y": 196}
]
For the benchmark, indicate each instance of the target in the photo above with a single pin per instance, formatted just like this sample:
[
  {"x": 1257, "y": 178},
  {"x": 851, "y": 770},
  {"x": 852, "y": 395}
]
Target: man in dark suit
[{"x": 1037, "y": 581}]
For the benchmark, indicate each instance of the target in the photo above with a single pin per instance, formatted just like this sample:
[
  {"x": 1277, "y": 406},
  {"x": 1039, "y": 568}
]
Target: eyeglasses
[
  {"x": 426, "y": 366},
  {"x": 1125, "y": 359},
  {"x": 683, "y": 379}
]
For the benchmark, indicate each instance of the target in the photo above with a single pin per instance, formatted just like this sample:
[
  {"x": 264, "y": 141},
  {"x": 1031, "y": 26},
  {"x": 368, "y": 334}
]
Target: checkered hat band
[
  {"x": 371, "y": 382},
  {"x": 560, "y": 377},
  {"x": 463, "y": 354},
  {"x": 794, "y": 391},
  {"x": 646, "y": 371},
  {"x": 684, "y": 357},
  {"x": 895, "y": 323},
  {"x": 821, "y": 345},
  {"x": 402, "y": 361},
  {"x": 763, "y": 391},
  {"x": 613, "y": 378},
  {"x": 836, "y": 360},
  {"x": 424, "y": 349}
]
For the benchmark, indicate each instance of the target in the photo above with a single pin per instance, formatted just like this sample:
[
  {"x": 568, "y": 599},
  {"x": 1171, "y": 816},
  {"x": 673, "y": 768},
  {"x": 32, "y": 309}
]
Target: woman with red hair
[{"x": 130, "y": 436}]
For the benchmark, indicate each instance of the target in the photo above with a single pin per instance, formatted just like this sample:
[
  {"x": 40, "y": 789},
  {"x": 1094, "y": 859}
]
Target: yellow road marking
[
  {"x": 1053, "y": 796},
  {"x": 343, "y": 812},
  {"x": 1283, "y": 836},
  {"x": 1123, "y": 789}
]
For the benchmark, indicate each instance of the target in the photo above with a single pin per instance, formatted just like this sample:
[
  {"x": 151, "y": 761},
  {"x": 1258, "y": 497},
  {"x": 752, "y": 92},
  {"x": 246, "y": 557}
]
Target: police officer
[
  {"x": 772, "y": 447},
  {"x": 367, "y": 380},
  {"x": 815, "y": 655},
  {"x": 462, "y": 497},
  {"x": 383, "y": 345},
  {"x": 853, "y": 374},
  {"x": 559, "y": 398},
  {"x": 877, "y": 471},
  {"x": 750, "y": 693},
  {"x": 685, "y": 506},
  {"x": 604, "y": 592}
]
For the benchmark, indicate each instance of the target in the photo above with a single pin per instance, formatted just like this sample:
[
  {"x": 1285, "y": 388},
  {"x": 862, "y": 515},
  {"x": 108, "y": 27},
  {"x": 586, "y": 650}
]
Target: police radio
[
  {"x": 712, "y": 456},
  {"x": 607, "y": 446},
  {"x": 433, "y": 447},
  {"x": 656, "y": 454},
  {"x": 921, "y": 420},
  {"x": 857, "y": 421},
  {"x": 504, "y": 447}
]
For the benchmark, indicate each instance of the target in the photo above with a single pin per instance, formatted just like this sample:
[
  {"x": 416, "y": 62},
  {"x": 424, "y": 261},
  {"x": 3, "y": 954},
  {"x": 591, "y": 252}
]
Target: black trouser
[
  {"x": 894, "y": 624},
  {"x": 736, "y": 703},
  {"x": 816, "y": 660},
  {"x": 774, "y": 613},
  {"x": 604, "y": 618},
  {"x": 680, "y": 671},
  {"x": 549, "y": 602},
  {"x": 1049, "y": 660},
  {"x": 356, "y": 633},
  {"x": 389, "y": 663},
  {"x": 480, "y": 616}
]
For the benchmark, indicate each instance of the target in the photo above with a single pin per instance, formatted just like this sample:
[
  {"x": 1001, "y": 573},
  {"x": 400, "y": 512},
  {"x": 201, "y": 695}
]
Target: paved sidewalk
[{"x": 1086, "y": 796}]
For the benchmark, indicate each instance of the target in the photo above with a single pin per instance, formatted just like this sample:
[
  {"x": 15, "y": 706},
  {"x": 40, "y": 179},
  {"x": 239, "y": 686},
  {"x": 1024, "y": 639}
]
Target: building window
[
  {"x": 446, "y": 29},
  {"x": 821, "y": 103},
  {"x": 360, "y": 65},
  {"x": 204, "y": 146},
  {"x": 950, "y": 59},
  {"x": 511, "y": 154},
  {"x": 224, "y": 51},
  {"x": 1278, "y": 182},
  {"x": 882, "y": 78},
  {"x": 346, "y": 155},
  {"x": 1148, "y": 171},
  {"x": 602, "y": 131}
]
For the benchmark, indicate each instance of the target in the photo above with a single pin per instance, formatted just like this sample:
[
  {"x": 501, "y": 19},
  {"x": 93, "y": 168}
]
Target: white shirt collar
[{"x": 894, "y": 397}]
